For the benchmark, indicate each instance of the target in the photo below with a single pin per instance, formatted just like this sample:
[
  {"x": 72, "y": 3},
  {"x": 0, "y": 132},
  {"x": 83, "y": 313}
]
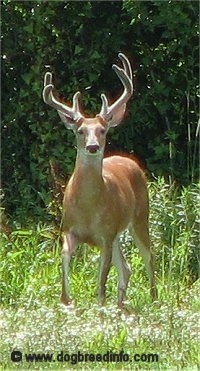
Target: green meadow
[{"x": 164, "y": 335}]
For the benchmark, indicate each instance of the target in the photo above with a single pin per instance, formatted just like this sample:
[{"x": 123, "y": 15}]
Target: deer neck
[{"x": 88, "y": 176}]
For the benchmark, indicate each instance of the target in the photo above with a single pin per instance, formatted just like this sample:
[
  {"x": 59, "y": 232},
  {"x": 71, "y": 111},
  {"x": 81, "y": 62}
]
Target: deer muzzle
[{"x": 92, "y": 148}]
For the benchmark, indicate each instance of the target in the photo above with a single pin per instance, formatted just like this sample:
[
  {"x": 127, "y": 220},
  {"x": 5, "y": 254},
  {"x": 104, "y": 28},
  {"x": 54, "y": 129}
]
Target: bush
[{"x": 79, "y": 44}]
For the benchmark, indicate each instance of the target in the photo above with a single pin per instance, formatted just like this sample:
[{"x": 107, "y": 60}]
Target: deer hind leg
[
  {"x": 105, "y": 263},
  {"x": 123, "y": 269},
  {"x": 69, "y": 246},
  {"x": 142, "y": 241}
]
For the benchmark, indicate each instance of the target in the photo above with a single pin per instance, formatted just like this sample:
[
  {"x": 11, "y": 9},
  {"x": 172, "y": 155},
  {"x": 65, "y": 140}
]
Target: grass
[{"x": 33, "y": 321}]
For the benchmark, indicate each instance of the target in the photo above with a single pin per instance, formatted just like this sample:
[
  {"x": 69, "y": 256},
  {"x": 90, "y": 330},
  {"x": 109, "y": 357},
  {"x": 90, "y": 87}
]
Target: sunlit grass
[{"x": 33, "y": 320}]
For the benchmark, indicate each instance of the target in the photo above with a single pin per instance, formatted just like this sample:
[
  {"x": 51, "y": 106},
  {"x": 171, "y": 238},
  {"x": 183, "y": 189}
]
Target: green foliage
[
  {"x": 33, "y": 321},
  {"x": 79, "y": 41},
  {"x": 174, "y": 229},
  {"x": 174, "y": 220},
  {"x": 167, "y": 63}
]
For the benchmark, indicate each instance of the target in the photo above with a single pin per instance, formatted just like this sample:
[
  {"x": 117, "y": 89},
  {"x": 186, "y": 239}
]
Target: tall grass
[{"x": 32, "y": 320}]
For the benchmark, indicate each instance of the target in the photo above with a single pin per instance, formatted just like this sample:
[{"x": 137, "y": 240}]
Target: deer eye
[
  {"x": 102, "y": 131},
  {"x": 80, "y": 131}
]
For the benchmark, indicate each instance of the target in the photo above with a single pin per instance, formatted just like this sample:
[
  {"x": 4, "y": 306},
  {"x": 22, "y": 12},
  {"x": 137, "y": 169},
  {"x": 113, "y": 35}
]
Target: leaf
[
  {"x": 78, "y": 50},
  {"x": 27, "y": 78},
  {"x": 22, "y": 233},
  {"x": 29, "y": 28}
]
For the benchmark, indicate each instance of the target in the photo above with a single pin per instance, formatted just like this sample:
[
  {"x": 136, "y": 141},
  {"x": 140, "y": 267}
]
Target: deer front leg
[
  {"x": 69, "y": 245},
  {"x": 106, "y": 256}
]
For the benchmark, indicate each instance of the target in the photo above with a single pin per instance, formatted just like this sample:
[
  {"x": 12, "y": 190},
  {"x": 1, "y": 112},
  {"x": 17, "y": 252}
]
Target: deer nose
[{"x": 92, "y": 148}]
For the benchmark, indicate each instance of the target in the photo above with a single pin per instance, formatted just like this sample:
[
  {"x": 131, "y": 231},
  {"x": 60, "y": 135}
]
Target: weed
[{"x": 33, "y": 321}]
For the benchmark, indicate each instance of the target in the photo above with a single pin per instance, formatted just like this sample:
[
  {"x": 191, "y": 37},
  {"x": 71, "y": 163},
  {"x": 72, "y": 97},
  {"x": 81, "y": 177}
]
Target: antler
[
  {"x": 107, "y": 112},
  {"x": 48, "y": 95},
  {"x": 125, "y": 76}
]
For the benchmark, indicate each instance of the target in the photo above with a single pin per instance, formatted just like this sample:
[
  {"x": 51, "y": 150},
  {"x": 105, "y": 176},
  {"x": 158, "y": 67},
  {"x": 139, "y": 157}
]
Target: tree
[{"x": 79, "y": 41}]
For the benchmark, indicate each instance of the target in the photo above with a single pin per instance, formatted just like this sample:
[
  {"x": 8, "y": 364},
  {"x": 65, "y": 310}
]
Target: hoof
[{"x": 65, "y": 301}]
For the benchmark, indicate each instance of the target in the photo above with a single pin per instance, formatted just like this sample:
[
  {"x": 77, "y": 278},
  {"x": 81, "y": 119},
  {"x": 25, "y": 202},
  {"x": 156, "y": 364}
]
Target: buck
[{"x": 104, "y": 196}]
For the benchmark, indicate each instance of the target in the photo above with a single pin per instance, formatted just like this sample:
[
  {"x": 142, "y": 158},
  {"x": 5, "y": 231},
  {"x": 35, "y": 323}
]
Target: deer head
[{"x": 91, "y": 132}]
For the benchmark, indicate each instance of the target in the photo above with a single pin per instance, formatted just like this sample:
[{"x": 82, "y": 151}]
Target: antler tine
[
  {"x": 126, "y": 64},
  {"x": 125, "y": 79},
  {"x": 76, "y": 98},
  {"x": 104, "y": 105},
  {"x": 48, "y": 79},
  {"x": 125, "y": 76},
  {"x": 49, "y": 98}
]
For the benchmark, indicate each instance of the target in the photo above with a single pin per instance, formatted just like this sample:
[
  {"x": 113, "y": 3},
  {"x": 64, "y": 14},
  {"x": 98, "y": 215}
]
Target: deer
[{"x": 104, "y": 196}]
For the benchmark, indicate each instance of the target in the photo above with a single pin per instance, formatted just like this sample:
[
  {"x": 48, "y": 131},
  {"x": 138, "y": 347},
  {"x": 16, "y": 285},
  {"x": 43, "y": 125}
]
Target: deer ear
[
  {"x": 69, "y": 123},
  {"x": 117, "y": 117}
]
